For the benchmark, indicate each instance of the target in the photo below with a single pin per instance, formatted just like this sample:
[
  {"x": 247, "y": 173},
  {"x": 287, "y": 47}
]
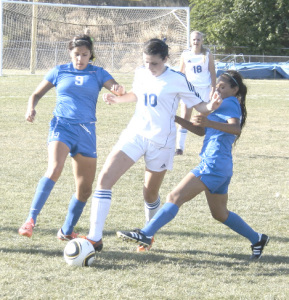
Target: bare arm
[
  {"x": 182, "y": 65},
  {"x": 40, "y": 91},
  {"x": 112, "y": 99},
  {"x": 212, "y": 71},
  {"x": 232, "y": 126},
  {"x": 207, "y": 108},
  {"x": 198, "y": 130},
  {"x": 114, "y": 87}
]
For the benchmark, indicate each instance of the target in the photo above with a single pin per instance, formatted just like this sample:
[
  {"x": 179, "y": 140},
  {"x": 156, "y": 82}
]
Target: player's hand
[
  {"x": 118, "y": 90},
  {"x": 109, "y": 98},
  {"x": 216, "y": 101},
  {"x": 30, "y": 115},
  {"x": 200, "y": 120}
]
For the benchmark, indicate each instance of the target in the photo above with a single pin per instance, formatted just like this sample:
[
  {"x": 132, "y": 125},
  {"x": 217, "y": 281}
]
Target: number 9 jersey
[{"x": 157, "y": 102}]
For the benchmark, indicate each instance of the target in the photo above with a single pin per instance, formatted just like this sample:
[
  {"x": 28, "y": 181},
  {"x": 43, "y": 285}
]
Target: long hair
[
  {"x": 82, "y": 40},
  {"x": 204, "y": 50},
  {"x": 234, "y": 78}
]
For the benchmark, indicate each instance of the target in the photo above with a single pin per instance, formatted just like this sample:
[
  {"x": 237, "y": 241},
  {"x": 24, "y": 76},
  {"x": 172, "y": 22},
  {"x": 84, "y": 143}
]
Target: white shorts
[
  {"x": 156, "y": 158},
  {"x": 204, "y": 92}
]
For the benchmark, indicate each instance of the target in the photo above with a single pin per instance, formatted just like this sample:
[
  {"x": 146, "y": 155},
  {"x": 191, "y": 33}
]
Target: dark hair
[
  {"x": 82, "y": 40},
  {"x": 234, "y": 78},
  {"x": 155, "y": 47}
]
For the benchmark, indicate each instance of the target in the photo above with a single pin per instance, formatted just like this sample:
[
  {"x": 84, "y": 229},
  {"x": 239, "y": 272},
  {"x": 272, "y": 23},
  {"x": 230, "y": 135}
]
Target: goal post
[{"x": 34, "y": 36}]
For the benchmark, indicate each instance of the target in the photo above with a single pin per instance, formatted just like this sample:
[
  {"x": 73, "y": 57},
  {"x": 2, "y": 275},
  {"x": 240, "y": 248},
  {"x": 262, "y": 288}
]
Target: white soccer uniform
[{"x": 153, "y": 123}]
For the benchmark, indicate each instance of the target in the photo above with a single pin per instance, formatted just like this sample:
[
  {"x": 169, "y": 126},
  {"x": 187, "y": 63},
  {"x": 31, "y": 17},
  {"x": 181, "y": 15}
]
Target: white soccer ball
[{"x": 79, "y": 252}]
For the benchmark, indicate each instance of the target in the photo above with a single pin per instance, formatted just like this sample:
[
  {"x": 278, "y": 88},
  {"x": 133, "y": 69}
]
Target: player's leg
[
  {"x": 186, "y": 113},
  {"x": 84, "y": 169},
  {"x": 117, "y": 163},
  {"x": 187, "y": 189},
  {"x": 57, "y": 153},
  {"x": 218, "y": 207}
]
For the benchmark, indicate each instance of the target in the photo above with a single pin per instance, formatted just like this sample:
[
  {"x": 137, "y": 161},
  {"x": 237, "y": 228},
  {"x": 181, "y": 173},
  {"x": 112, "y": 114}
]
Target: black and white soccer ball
[{"x": 79, "y": 252}]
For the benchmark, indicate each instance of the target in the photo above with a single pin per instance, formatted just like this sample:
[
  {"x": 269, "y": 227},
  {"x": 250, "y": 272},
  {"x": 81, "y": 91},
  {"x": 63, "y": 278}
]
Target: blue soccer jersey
[
  {"x": 77, "y": 91},
  {"x": 216, "y": 152}
]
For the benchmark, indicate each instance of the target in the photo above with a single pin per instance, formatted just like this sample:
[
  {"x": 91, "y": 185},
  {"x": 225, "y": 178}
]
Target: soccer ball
[{"x": 79, "y": 252}]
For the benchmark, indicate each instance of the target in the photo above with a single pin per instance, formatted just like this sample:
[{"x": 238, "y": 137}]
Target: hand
[
  {"x": 30, "y": 115},
  {"x": 118, "y": 90},
  {"x": 200, "y": 120},
  {"x": 109, "y": 98},
  {"x": 216, "y": 101}
]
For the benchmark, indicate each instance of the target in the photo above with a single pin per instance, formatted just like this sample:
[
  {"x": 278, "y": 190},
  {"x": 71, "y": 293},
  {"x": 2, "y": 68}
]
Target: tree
[{"x": 262, "y": 26}]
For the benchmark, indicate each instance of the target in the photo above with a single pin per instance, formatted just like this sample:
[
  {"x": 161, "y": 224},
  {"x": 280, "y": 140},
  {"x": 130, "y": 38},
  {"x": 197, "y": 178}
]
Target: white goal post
[{"x": 34, "y": 36}]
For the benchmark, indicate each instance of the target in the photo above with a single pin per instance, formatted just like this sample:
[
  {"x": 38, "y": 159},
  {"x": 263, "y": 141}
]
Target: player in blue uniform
[
  {"x": 214, "y": 173},
  {"x": 72, "y": 130}
]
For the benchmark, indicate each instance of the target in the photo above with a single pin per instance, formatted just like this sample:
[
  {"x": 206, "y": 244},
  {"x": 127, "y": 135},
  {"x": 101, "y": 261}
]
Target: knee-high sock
[
  {"x": 161, "y": 218},
  {"x": 237, "y": 224},
  {"x": 43, "y": 190},
  {"x": 151, "y": 209},
  {"x": 75, "y": 209},
  {"x": 99, "y": 210},
  {"x": 181, "y": 138}
]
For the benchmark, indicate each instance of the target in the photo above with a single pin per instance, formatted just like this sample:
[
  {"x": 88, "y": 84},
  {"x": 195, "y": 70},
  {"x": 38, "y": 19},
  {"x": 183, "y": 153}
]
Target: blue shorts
[
  {"x": 79, "y": 138},
  {"x": 216, "y": 183}
]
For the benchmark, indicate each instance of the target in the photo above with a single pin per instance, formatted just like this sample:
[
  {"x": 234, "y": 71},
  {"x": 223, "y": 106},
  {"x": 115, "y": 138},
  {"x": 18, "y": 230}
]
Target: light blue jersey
[
  {"x": 216, "y": 167},
  {"x": 77, "y": 91}
]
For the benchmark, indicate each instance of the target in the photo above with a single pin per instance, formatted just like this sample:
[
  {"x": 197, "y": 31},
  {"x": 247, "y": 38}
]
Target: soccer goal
[{"x": 34, "y": 36}]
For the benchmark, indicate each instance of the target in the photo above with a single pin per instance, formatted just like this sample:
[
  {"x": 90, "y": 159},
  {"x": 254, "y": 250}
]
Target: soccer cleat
[
  {"x": 27, "y": 228},
  {"x": 135, "y": 236},
  {"x": 257, "y": 248},
  {"x": 143, "y": 249},
  {"x": 96, "y": 245},
  {"x": 179, "y": 152},
  {"x": 67, "y": 237}
]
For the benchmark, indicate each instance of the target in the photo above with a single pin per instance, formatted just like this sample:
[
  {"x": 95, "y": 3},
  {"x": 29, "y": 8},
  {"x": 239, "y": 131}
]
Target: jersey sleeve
[
  {"x": 105, "y": 76},
  {"x": 51, "y": 76}
]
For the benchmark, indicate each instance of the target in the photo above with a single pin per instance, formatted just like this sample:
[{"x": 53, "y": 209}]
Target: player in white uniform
[
  {"x": 151, "y": 133},
  {"x": 198, "y": 65}
]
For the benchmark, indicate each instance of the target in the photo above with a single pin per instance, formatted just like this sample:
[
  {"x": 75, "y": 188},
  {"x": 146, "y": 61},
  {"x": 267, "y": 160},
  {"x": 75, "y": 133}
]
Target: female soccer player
[
  {"x": 151, "y": 133},
  {"x": 198, "y": 65},
  {"x": 214, "y": 173},
  {"x": 72, "y": 130}
]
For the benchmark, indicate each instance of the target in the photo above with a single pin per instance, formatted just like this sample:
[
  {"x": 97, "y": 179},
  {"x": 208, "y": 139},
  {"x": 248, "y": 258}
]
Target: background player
[
  {"x": 72, "y": 130},
  {"x": 151, "y": 133},
  {"x": 198, "y": 65},
  {"x": 214, "y": 173}
]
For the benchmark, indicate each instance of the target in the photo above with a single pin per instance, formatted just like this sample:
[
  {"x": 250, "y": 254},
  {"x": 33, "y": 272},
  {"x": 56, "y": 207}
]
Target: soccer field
[{"x": 193, "y": 257}]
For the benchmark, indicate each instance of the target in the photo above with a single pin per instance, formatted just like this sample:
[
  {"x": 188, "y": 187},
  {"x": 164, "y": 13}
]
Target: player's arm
[
  {"x": 232, "y": 125},
  {"x": 182, "y": 65},
  {"x": 190, "y": 126},
  {"x": 112, "y": 99},
  {"x": 39, "y": 92},
  {"x": 207, "y": 108},
  {"x": 212, "y": 71},
  {"x": 114, "y": 87}
]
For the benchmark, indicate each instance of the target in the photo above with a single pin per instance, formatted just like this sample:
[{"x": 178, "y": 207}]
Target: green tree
[{"x": 260, "y": 25}]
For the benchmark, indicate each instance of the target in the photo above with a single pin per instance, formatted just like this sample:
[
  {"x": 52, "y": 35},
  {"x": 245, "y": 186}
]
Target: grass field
[{"x": 194, "y": 256}]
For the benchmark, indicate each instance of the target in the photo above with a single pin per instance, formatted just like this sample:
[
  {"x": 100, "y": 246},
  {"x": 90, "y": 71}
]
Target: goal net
[{"x": 35, "y": 35}]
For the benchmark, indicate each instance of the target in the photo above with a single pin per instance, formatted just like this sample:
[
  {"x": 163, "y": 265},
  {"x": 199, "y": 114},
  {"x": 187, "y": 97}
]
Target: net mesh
[{"x": 118, "y": 33}]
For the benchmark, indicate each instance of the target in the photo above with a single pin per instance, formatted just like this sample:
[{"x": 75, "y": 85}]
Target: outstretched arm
[
  {"x": 112, "y": 99},
  {"x": 190, "y": 126},
  {"x": 40, "y": 91},
  {"x": 207, "y": 108},
  {"x": 114, "y": 87}
]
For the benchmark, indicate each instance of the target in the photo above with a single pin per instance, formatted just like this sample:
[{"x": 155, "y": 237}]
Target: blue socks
[
  {"x": 237, "y": 224},
  {"x": 161, "y": 218},
  {"x": 43, "y": 190},
  {"x": 75, "y": 209}
]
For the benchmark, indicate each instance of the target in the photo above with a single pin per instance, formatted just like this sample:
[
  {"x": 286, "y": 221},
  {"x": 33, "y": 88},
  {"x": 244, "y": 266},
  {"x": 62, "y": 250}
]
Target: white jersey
[
  {"x": 197, "y": 68},
  {"x": 157, "y": 103}
]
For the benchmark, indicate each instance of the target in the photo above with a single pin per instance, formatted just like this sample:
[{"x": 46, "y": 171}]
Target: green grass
[{"x": 194, "y": 257}]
